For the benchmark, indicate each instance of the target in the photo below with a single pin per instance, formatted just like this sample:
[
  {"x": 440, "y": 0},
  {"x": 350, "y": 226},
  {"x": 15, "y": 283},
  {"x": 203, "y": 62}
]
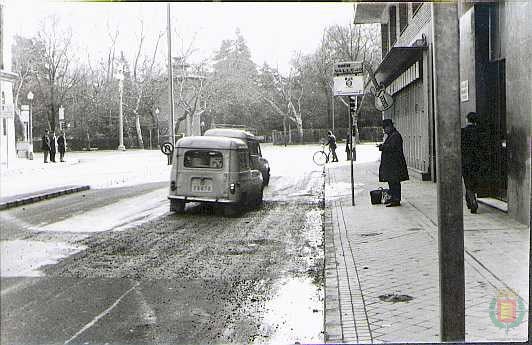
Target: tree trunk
[
  {"x": 139, "y": 131},
  {"x": 355, "y": 129},
  {"x": 196, "y": 125},
  {"x": 284, "y": 130}
]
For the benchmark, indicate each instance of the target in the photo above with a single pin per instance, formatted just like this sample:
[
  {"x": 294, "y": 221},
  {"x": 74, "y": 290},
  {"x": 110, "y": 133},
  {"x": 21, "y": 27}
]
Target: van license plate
[{"x": 202, "y": 185}]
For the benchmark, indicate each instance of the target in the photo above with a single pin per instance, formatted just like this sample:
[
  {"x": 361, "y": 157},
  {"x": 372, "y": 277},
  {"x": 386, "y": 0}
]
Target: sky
[{"x": 273, "y": 31}]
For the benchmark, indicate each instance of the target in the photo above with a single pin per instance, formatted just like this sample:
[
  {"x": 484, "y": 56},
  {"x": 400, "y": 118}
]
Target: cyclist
[{"x": 331, "y": 142}]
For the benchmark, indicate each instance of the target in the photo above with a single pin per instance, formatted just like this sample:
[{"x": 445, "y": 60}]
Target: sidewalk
[{"x": 375, "y": 257}]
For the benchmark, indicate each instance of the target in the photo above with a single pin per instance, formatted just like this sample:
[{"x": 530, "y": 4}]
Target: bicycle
[{"x": 321, "y": 157}]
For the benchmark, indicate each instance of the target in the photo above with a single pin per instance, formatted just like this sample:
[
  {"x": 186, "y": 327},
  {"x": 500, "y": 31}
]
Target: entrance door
[{"x": 498, "y": 170}]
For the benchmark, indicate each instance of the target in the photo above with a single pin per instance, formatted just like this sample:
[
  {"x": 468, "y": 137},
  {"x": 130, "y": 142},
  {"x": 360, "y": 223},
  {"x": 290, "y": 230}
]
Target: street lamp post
[
  {"x": 30, "y": 125},
  {"x": 157, "y": 119},
  {"x": 121, "y": 146}
]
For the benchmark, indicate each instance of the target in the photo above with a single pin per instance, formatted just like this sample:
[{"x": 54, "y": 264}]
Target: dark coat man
[
  {"x": 45, "y": 145},
  {"x": 393, "y": 167},
  {"x": 471, "y": 164},
  {"x": 61, "y": 146},
  {"x": 53, "y": 147}
]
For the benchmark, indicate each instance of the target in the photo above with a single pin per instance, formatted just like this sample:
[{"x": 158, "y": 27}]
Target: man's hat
[{"x": 387, "y": 123}]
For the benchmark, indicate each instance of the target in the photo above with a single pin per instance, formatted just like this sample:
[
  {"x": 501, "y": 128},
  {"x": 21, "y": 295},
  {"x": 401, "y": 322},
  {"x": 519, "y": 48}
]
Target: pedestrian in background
[
  {"x": 393, "y": 167},
  {"x": 61, "y": 146},
  {"x": 53, "y": 146},
  {"x": 347, "y": 147},
  {"x": 331, "y": 142},
  {"x": 470, "y": 160},
  {"x": 45, "y": 145}
]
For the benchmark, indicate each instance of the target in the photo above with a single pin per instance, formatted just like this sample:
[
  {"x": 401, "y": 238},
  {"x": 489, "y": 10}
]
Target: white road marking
[{"x": 105, "y": 312}]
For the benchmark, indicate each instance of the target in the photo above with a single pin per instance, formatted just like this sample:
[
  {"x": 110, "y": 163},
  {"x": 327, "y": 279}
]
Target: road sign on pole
[
  {"x": 349, "y": 67},
  {"x": 348, "y": 85}
]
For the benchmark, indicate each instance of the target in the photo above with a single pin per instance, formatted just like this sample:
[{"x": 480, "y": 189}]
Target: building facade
[
  {"x": 7, "y": 110},
  {"x": 495, "y": 81}
]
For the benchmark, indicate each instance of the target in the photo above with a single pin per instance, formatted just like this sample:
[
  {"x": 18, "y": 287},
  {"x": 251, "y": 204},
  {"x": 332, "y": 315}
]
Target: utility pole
[
  {"x": 171, "y": 122},
  {"x": 446, "y": 72}
]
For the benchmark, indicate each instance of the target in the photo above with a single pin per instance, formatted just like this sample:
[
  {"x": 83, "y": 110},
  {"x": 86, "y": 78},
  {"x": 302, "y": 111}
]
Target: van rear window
[{"x": 203, "y": 159}]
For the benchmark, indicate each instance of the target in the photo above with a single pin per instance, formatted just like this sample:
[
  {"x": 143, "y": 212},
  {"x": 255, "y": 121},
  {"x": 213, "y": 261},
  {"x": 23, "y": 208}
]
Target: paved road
[{"x": 136, "y": 274}]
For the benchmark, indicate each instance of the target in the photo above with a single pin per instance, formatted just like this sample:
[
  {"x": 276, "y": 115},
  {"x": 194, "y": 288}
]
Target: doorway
[{"x": 497, "y": 169}]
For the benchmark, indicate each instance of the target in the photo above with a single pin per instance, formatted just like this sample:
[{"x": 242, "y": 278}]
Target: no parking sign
[{"x": 167, "y": 148}]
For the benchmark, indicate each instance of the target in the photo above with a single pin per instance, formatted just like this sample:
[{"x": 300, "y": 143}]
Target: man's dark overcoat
[
  {"x": 393, "y": 164},
  {"x": 471, "y": 155},
  {"x": 45, "y": 144},
  {"x": 53, "y": 143},
  {"x": 61, "y": 144}
]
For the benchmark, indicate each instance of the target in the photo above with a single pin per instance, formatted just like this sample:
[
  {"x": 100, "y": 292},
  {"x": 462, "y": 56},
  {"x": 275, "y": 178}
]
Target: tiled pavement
[{"x": 372, "y": 251}]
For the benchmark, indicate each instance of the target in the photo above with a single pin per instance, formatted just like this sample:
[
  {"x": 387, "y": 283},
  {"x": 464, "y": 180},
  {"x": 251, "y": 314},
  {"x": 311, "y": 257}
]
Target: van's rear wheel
[{"x": 177, "y": 206}]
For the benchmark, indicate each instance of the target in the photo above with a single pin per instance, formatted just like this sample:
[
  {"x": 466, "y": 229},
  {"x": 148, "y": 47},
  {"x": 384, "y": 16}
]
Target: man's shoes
[
  {"x": 45, "y": 161},
  {"x": 474, "y": 210},
  {"x": 394, "y": 204}
]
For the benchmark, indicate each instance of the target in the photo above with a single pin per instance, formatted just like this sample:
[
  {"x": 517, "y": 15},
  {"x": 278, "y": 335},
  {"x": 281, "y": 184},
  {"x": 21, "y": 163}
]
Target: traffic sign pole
[{"x": 351, "y": 148}]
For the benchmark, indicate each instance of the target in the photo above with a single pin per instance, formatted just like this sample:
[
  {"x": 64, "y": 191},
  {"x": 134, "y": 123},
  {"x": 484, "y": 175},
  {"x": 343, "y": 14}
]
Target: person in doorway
[
  {"x": 470, "y": 160},
  {"x": 53, "y": 146},
  {"x": 61, "y": 146},
  {"x": 331, "y": 142},
  {"x": 392, "y": 168},
  {"x": 45, "y": 145}
]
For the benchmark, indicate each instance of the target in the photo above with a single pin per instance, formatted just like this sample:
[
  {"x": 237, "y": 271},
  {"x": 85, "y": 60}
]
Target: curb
[{"x": 29, "y": 199}]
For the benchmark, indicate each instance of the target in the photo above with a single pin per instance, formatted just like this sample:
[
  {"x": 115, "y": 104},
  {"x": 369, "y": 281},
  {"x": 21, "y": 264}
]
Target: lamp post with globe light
[
  {"x": 30, "y": 125},
  {"x": 120, "y": 78}
]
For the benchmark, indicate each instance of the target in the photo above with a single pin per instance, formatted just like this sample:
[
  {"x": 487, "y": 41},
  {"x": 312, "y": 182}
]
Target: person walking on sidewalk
[
  {"x": 393, "y": 164},
  {"x": 45, "y": 145},
  {"x": 61, "y": 146},
  {"x": 470, "y": 160},
  {"x": 53, "y": 146},
  {"x": 331, "y": 142}
]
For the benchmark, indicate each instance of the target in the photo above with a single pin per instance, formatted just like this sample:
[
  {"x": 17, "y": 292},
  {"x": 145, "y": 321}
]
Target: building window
[
  {"x": 403, "y": 16},
  {"x": 4, "y": 126},
  {"x": 393, "y": 26},
  {"x": 415, "y": 7}
]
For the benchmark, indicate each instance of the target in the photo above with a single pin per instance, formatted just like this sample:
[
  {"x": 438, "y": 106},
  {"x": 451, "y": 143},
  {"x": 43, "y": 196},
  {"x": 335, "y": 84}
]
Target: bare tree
[
  {"x": 142, "y": 73},
  {"x": 54, "y": 73},
  {"x": 191, "y": 87},
  {"x": 284, "y": 93},
  {"x": 349, "y": 43}
]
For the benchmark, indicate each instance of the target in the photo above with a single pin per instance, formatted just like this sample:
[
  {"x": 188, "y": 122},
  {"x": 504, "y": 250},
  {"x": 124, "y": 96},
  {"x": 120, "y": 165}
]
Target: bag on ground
[{"x": 380, "y": 196}]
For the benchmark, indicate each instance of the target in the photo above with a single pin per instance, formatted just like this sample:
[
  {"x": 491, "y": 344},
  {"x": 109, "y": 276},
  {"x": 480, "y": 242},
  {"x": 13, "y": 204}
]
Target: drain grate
[{"x": 394, "y": 298}]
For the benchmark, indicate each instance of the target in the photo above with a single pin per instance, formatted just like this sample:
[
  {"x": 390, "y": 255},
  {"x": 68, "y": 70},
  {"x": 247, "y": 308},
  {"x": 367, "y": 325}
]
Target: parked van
[
  {"x": 257, "y": 161},
  {"x": 213, "y": 170}
]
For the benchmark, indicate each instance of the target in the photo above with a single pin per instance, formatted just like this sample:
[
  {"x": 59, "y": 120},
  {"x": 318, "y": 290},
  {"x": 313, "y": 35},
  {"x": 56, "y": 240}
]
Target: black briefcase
[{"x": 379, "y": 196}]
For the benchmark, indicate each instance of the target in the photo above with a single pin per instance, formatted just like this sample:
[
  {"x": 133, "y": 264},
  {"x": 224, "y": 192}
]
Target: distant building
[
  {"x": 7, "y": 110},
  {"x": 495, "y": 81}
]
